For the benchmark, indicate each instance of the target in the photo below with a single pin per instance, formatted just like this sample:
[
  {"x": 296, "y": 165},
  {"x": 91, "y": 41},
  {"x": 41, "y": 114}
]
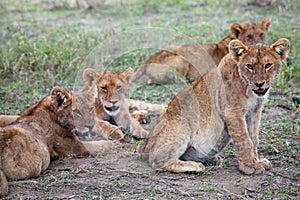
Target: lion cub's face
[
  {"x": 111, "y": 90},
  {"x": 258, "y": 64},
  {"x": 83, "y": 102},
  {"x": 251, "y": 33}
]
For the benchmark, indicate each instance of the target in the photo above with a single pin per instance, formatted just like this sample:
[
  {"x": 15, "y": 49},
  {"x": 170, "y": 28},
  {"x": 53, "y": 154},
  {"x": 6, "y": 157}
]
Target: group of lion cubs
[{"x": 230, "y": 82}]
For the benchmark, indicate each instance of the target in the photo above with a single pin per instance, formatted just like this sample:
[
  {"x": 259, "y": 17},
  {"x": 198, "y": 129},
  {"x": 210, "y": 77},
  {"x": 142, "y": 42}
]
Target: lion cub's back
[{"x": 18, "y": 141}]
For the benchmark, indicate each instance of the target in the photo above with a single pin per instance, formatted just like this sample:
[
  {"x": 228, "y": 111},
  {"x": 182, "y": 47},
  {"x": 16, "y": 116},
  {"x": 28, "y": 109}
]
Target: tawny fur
[
  {"x": 7, "y": 119},
  {"x": 193, "y": 60},
  {"x": 44, "y": 131},
  {"x": 112, "y": 115},
  {"x": 136, "y": 105},
  {"x": 224, "y": 104},
  {"x": 83, "y": 107}
]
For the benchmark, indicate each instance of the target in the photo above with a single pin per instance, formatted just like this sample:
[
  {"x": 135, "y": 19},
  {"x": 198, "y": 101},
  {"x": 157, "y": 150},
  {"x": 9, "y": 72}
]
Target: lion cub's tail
[
  {"x": 3, "y": 184},
  {"x": 139, "y": 72}
]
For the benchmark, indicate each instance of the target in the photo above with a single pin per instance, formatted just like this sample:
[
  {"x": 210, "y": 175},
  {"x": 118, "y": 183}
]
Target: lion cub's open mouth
[
  {"x": 111, "y": 109},
  {"x": 261, "y": 91}
]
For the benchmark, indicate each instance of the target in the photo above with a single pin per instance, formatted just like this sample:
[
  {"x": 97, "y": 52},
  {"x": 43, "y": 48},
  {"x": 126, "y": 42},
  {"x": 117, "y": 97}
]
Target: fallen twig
[
  {"x": 286, "y": 176},
  {"x": 232, "y": 194},
  {"x": 284, "y": 106},
  {"x": 22, "y": 182},
  {"x": 279, "y": 133}
]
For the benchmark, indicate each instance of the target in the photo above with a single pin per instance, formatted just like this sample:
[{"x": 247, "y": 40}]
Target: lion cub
[
  {"x": 83, "y": 107},
  {"x": 193, "y": 60},
  {"x": 44, "y": 131},
  {"x": 224, "y": 104},
  {"x": 85, "y": 99},
  {"x": 111, "y": 107}
]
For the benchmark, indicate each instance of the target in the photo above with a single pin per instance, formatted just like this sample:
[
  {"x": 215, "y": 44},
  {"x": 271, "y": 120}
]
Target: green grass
[{"x": 42, "y": 47}]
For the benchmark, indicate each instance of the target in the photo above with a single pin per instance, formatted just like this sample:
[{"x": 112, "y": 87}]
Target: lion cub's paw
[
  {"x": 142, "y": 134},
  {"x": 263, "y": 165},
  {"x": 108, "y": 130},
  {"x": 140, "y": 115},
  {"x": 246, "y": 168},
  {"x": 258, "y": 168},
  {"x": 116, "y": 134},
  {"x": 184, "y": 166}
]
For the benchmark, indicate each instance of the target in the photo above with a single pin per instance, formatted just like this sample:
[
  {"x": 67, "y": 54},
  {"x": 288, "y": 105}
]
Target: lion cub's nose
[
  {"x": 259, "y": 84},
  {"x": 113, "y": 102}
]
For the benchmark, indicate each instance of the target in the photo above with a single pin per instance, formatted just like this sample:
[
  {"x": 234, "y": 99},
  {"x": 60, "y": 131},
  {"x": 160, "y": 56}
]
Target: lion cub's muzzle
[
  {"x": 112, "y": 108},
  {"x": 261, "y": 88}
]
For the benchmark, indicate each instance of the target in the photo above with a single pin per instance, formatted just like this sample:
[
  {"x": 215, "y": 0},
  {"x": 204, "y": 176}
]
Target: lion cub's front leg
[
  {"x": 245, "y": 143},
  {"x": 130, "y": 125},
  {"x": 136, "y": 129},
  {"x": 253, "y": 122},
  {"x": 108, "y": 130}
]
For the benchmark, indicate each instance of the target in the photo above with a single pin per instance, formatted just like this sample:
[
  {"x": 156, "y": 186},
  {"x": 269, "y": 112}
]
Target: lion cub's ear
[
  {"x": 237, "y": 49},
  {"x": 90, "y": 75},
  {"x": 265, "y": 24},
  {"x": 281, "y": 47},
  {"x": 236, "y": 29},
  {"x": 127, "y": 75},
  {"x": 61, "y": 96}
]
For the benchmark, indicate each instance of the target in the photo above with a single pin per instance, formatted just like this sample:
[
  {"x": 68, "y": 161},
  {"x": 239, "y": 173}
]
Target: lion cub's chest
[{"x": 254, "y": 105}]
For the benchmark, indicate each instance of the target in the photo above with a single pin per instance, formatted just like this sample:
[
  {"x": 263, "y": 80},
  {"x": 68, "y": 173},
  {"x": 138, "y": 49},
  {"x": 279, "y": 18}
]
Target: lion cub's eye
[
  {"x": 261, "y": 35},
  {"x": 268, "y": 66},
  {"x": 91, "y": 109},
  {"x": 104, "y": 89},
  {"x": 249, "y": 67},
  {"x": 76, "y": 111},
  {"x": 118, "y": 87},
  {"x": 249, "y": 37}
]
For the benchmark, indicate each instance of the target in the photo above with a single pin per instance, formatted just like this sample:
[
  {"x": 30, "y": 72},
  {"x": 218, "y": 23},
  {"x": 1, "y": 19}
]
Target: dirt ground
[{"x": 121, "y": 174}]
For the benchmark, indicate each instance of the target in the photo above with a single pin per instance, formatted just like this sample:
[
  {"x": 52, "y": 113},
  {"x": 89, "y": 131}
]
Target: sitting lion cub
[
  {"x": 224, "y": 104},
  {"x": 111, "y": 106},
  {"x": 193, "y": 60},
  {"x": 44, "y": 131}
]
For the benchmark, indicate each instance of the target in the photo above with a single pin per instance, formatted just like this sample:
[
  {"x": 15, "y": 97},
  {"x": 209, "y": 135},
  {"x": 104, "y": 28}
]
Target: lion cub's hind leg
[
  {"x": 3, "y": 184},
  {"x": 166, "y": 148},
  {"x": 25, "y": 156}
]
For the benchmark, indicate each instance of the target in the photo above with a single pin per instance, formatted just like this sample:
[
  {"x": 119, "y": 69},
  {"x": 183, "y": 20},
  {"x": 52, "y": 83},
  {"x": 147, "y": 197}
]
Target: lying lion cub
[
  {"x": 138, "y": 109},
  {"x": 224, "y": 104},
  {"x": 83, "y": 107},
  {"x": 193, "y": 60},
  {"x": 111, "y": 107},
  {"x": 43, "y": 131}
]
